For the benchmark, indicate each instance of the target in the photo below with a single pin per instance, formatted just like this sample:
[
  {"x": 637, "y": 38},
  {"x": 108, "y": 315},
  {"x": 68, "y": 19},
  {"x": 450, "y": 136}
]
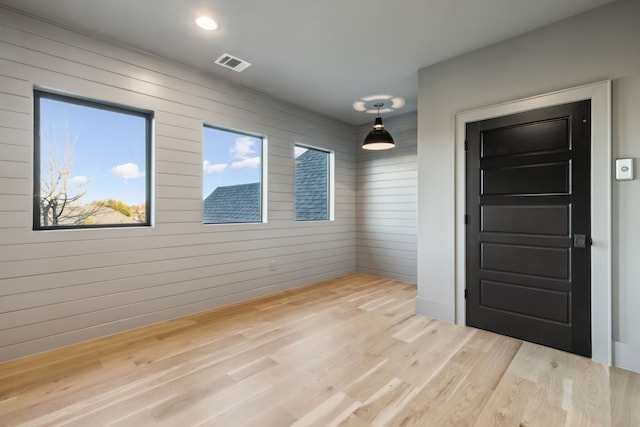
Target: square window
[
  {"x": 92, "y": 164},
  {"x": 232, "y": 177},
  {"x": 313, "y": 183}
]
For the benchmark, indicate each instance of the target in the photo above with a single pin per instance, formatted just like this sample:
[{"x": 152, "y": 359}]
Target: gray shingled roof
[
  {"x": 233, "y": 204},
  {"x": 311, "y": 186},
  {"x": 241, "y": 203}
]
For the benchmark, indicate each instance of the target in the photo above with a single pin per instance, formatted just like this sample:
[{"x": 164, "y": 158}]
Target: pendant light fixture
[{"x": 378, "y": 138}]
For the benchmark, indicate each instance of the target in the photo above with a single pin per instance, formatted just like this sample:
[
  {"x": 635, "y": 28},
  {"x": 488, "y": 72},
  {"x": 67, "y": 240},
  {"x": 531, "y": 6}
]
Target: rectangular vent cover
[{"x": 232, "y": 62}]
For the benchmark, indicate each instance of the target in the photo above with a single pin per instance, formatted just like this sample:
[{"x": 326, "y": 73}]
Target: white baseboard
[
  {"x": 626, "y": 356},
  {"x": 435, "y": 309}
]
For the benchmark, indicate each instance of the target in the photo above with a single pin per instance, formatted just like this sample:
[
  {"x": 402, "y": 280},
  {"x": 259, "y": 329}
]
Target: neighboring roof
[
  {"x": 90, "y": 214},
  {"x": 233, "y": 204},
  {"x": 110, "y": 216},
  {"x": 241, "y": 203},
  {"x": 311, "y": 186}
]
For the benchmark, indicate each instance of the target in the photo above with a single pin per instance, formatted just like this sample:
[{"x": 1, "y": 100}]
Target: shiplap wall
[
  {"x": 387, "y": 197},
  {"x": 64, "y": 286}
]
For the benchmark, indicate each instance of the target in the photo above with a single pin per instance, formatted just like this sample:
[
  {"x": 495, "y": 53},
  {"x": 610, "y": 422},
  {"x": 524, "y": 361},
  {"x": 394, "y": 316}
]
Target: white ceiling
[{"x": 324, "y": 54}]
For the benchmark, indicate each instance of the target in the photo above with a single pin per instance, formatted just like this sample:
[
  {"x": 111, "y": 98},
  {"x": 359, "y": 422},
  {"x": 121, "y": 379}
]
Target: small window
[
  {"x": 232, "y": 172},
  {"x": 91, "y": 164},
  {"x": 313, "y": 183}
]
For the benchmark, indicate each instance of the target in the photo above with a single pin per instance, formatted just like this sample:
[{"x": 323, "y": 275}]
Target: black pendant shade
[{"x": 378, "y": 138}]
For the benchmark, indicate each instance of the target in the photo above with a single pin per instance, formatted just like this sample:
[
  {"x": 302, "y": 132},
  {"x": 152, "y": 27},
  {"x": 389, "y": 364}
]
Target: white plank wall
[
  {"x": 387, "y": 197},
  {"x": 61, "y": 287}
]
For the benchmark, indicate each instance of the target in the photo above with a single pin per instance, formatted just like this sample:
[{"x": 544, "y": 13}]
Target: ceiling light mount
[{"x": 388, "y": 104}]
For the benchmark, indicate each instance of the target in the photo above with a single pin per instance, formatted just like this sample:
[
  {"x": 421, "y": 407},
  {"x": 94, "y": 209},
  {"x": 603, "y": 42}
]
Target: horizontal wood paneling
[
  {"x": 60, "y": 287},
  {"x": 386, "y": 204}
]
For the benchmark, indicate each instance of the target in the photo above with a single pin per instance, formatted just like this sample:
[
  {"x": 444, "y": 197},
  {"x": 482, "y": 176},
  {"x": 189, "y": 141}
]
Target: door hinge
[
  {"x": 466, "y": 220},
  {"x": 466, "y": 294},
  {"x": 466, "y": 145}
]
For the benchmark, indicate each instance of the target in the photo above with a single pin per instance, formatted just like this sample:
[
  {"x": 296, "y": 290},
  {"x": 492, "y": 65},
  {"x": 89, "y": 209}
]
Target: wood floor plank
[
  {"x": 473, "y": 393},
  {"x": 625, "y": 398},
  {"x": 507, "y": 405},
  {"x": 265, "y": 409},
  {"x": 347, "y": 352},
  {"x": 196, "y": 408},
  {"x": 386, "y": 402},
  {"x": 329, "y": 413},
  {"x": 423, "y": 409}
]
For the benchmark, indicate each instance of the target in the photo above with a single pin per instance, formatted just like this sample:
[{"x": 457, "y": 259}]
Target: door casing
[{"x": 601, "y": 273}]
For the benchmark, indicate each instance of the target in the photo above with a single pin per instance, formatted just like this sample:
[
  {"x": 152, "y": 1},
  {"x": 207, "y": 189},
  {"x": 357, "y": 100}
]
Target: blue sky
[
  {"x": 108, "y": 154},
  {"x": 229, "y": 158}
]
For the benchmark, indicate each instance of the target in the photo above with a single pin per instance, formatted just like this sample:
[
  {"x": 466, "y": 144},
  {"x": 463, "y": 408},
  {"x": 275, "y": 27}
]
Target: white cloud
[
  {"x": 127, "y": 171},
  {"x": 209, "y": 168},
  {"x": 79, "y": 180},
  {"x": 251, "y": 162},
  {"x": 243, "y": 148}
]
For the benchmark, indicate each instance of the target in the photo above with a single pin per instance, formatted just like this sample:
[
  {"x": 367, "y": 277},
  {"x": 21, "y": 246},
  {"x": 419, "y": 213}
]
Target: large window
[
  {"x": 313, "y": 184},
  {"x": 232, "y": 172},
  {"x": 91, "y": 164}
]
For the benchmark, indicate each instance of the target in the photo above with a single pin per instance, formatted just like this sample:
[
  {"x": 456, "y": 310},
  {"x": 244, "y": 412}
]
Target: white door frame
[{"x": 600, "y": 95}]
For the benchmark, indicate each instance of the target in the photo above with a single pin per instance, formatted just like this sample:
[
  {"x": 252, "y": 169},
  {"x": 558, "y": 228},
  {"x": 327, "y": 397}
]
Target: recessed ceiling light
[{"x": 206, "y": 23}]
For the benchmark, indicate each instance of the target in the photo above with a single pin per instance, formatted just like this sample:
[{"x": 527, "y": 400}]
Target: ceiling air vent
[{"x": 232, "y": 62}]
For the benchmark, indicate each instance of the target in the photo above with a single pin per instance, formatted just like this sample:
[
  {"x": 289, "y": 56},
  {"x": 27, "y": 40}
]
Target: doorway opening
[{"x": 600, "y": 95}]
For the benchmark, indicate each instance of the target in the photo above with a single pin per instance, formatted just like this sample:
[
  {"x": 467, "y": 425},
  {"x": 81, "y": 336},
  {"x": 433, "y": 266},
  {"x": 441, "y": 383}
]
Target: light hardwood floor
[{"x": 344, "y": 352}]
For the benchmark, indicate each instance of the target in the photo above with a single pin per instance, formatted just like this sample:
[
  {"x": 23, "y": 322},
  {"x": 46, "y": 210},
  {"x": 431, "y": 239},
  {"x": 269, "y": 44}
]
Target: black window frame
[
  {"x": 148, "y": 115},
  {"x": 261, "y": 186}
]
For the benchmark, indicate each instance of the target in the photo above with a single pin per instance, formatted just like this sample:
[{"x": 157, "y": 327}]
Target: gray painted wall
[
  {"x": 598, "y": 45},
  {"x": 60, "y": 287},
  {"x": 387, "y": 198}
]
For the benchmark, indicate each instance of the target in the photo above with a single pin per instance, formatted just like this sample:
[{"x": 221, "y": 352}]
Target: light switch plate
[{"x": 624, "y": 169}]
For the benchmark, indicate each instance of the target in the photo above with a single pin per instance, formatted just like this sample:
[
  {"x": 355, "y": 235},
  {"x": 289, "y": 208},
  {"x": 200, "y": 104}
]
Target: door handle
[{"x": 581, "y": 241}]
